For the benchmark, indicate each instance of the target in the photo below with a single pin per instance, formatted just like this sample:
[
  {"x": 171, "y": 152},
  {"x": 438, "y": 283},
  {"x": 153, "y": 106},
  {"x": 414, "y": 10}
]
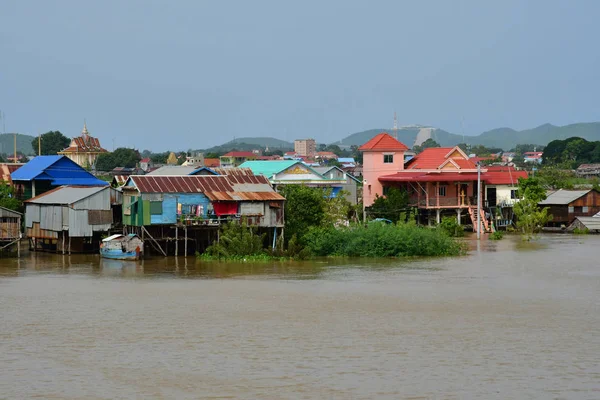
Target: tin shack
[{"x": 71, "y": 218}]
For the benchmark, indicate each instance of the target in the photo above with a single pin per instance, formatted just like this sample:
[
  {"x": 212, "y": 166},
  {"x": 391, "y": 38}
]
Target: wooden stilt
[
  {"x": 69, "y": 244},
  {"x": 154, "y": 242},
  {"x": 185, "y": 245},
  {"x": 176, "y": 240}
]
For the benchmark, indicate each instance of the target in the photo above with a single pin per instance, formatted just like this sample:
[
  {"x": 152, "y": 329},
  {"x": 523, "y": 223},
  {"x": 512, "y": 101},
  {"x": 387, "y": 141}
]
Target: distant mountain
[
  {"x": 409, "y": 135},
  {"x": 7, "y": 143},
  {"x": 504, "y": 138},
  {"x": 251, "y": 143}
]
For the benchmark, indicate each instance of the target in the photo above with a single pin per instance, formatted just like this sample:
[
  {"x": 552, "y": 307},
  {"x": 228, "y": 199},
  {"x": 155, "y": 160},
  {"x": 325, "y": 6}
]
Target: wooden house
[
  {"x": 71, "y": 218},
  {"x": 10, "y": 228},
  {"x": 350, "y": 186},
  {"x": 566, "y": 205}
]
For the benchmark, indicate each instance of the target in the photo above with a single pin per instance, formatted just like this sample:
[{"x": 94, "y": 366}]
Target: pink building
[{"x": 382, "y": 155}]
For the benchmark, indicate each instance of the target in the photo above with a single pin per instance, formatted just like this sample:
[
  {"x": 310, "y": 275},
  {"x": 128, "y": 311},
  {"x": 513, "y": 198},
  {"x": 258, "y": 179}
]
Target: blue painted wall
[{"x": 169, "y": 206}]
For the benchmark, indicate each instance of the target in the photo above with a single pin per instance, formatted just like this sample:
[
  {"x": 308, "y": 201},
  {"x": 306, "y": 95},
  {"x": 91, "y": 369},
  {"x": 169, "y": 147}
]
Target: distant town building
[
  {"x": 196, "y": 159},
  {"x": 533, "y": 157},
  {"x": 305, "y": 147},
  {"x": 145, "y": 164},
  {"x": 236, "y": 158},
  {"x": 84, "y": 149}
]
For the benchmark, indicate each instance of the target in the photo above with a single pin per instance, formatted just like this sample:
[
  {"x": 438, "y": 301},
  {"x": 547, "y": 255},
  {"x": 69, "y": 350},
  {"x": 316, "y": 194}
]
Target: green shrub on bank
[
  {"x": 451, "y": 226},
  {"x": 498, "y": 235},
  {"x": 581, "y": 231},
  {"x": 381, "y": 240}
]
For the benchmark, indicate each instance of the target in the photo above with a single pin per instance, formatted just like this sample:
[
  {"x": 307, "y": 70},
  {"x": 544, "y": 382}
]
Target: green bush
[
  {"x": 451, "y": 226},
  {"x": 381, "y": 240},
  {"x": 498, "y": 235},
  {"x": 581, "y": 231}
]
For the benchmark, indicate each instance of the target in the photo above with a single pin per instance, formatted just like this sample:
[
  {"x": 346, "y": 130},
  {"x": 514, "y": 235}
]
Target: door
[{"x": 491, "y": 197}]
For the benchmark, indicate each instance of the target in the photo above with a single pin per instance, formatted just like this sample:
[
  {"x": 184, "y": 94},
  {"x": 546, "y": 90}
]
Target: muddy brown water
[{"x": 511, "y": 320}]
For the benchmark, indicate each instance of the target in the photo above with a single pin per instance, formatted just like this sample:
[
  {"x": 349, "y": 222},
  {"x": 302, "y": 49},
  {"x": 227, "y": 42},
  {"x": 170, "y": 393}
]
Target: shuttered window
[{"x": 156, "y": 208}]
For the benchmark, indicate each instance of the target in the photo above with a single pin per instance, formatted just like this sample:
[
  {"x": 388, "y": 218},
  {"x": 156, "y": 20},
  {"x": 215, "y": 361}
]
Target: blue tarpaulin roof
[{"x": 59, "y": 170}]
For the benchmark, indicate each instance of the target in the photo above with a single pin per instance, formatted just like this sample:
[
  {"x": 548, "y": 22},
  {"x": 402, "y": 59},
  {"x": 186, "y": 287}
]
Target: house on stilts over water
[{"x": 181, "y": 215}]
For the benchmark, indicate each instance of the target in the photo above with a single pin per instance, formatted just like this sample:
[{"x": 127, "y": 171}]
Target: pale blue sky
[{"x": 191, "y": 74}]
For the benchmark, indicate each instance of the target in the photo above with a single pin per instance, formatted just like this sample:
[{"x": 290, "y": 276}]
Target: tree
[
  {"x": 426, "y": 145},
  {"x": 121, "y": 157},
  {"x": 391, "y": 206},
  {"x": 8, "y": 198},
  {"x": 304, "y": 208},
  {"x": 51, "y": 143},
  {"x": 161, "y": 158},
  {"x": 530, "y": 217},
  {"x": 337, "y": 209}
]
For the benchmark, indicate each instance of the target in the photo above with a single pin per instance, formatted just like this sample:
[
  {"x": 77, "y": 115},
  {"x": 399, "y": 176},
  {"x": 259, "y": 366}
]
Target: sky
[{"x": 190, "y": 74}]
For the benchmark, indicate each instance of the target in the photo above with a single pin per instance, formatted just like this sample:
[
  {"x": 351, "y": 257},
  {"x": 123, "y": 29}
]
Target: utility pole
[
  {"x": 15, "y": 147},
  {"x": 40, "y": 144},
  {"x": 478, "y": 201}
]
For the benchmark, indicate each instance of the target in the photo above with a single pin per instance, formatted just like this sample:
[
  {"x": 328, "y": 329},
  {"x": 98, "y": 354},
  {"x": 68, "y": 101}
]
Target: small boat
[{"x": 122, "y": 247}]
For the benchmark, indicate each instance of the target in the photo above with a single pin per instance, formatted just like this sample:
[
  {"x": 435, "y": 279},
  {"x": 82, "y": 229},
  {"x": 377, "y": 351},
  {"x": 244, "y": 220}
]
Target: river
[{"x": 510, "y": 320}]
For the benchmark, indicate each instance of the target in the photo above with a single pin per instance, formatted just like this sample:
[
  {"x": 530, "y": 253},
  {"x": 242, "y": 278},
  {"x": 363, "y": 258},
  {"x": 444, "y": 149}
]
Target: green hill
[
  {"x": 251, "y": 143},
  {"x": 505, "y": 138},
  {"x": 7, "y": 141}
]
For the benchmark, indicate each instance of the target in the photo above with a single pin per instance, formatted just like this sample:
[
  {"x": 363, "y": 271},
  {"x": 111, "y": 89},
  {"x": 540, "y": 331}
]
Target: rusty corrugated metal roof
[
  {"x": 6, "y": 169},
  {"x": 216, "y": 188}
]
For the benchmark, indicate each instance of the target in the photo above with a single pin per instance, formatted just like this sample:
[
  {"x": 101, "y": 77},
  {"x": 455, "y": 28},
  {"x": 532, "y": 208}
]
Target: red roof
[
  {"x": 239, "y": 154},
  {"x": 493, "y": 176},
  {"x": 145, "y": 160},
  {"x": 432, "y": 177},
  {"x": 83, "y": 144},
  {"x": 503, "y": 176},
  {"x": 434, "y": 157},
  {"x": 216, "y": 188},
  {"x": 383, "y": 142}
]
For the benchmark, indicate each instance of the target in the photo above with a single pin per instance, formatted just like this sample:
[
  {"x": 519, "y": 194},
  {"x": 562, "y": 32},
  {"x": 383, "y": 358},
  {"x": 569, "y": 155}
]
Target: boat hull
[{"x": 120, "y": 255}]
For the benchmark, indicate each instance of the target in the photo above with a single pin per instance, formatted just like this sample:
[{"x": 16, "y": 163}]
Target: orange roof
[
  {"x": 239, "y": 154},
  {"x": 383, "y": 142},
  {"x": 212, "y": 162},
  {"x": 434, "y": 157}
]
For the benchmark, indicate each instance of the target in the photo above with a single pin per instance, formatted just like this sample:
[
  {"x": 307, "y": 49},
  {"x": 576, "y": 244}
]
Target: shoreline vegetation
[{"x": 240, "y": 242}]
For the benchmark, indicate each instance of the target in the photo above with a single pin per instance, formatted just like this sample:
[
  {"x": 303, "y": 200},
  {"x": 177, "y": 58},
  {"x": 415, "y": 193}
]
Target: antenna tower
[{"x": 395, "y": 126}]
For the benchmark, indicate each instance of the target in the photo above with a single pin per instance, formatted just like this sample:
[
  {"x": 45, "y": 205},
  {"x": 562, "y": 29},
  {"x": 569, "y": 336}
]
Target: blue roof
[
  {"x": 59, "y": 170},
  {"x": 34, "y": 168},
  {"x": 200, "y": 169}
]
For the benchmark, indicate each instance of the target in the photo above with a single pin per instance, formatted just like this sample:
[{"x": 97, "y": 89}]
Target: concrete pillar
[
  {"x": 458, "y": 212},
  {"x": 437, "y": 215}
]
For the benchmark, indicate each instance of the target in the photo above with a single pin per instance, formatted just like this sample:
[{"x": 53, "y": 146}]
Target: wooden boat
[{"x": 122, "y": 247}]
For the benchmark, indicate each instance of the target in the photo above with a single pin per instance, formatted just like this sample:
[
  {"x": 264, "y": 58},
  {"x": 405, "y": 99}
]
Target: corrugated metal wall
[
  {"x": 98, "y": 201},
  {"x": 51, "y": 217},
  {"x": 8, "y": 213},
  {"x": 32, "y": 214},
  {"x": 79, "y": 226}
]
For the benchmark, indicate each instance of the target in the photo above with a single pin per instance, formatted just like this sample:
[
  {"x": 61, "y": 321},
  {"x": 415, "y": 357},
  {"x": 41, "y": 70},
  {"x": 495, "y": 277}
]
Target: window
[
  {"x": 388, "y": 158},
  {"x": 584, "y": 209},
  {"x": 578, "y": 209},
  {"x": 442, "y": 191},
  {"x": 571, "y": 210},
  {"x": 156, "y": 208},
  {"x": 513, "y": 194}
]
